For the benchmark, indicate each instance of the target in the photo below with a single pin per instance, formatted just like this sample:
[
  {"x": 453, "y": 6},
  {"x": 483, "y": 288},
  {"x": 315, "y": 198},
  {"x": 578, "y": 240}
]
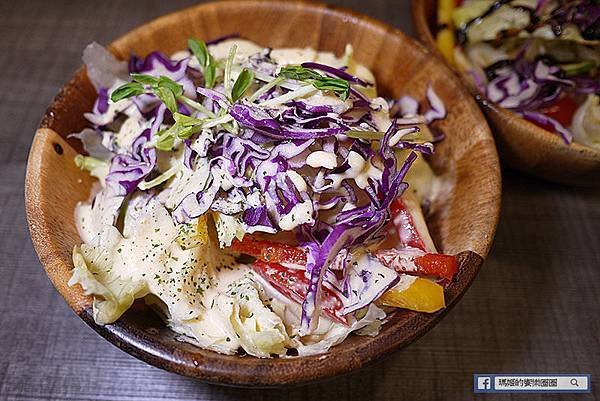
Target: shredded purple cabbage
[{"x": 546, "y": 121}]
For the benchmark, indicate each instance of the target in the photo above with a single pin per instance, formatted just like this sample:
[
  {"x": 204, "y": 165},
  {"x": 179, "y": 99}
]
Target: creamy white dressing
[
  {"x": 245, "y": 49},
  {"x": 297, "y": 180},
  {"x": 381, "y": 114},
  {"x": 212, "y": 329},
  {"x": 293, "y": 55},
  {"x": 191, "y": 284},
  {"x": 323, "y": 99},
  {"x": 368, "y": 278},
  {"x": 85, "y": 222},
  {"x": 300, "y": 214},
  {"x": 100, "y": 172},
  {"x": 130, "y": 129},
  {"x": 360, "y": 171},
  {"x": 321, "y": 158}
]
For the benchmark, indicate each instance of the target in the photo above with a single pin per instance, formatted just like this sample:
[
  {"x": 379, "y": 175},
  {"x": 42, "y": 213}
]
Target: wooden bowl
[
  {"x": 521, "y": 144},
  {"x": 462, "y": 223}
]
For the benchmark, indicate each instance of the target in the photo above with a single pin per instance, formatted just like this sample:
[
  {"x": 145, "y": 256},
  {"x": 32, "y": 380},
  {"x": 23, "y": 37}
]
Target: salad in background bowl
[
  {"x": 537, "y": 59},
  {"x": 439, "y": 199}
]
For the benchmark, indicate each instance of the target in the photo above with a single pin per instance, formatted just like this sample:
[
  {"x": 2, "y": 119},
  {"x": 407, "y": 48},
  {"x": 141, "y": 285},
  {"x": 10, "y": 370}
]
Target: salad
[
  {"x": 262, "y": 201},
  {"x": 538, "y": 58}
]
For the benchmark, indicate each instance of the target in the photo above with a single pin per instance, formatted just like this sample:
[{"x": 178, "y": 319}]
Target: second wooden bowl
[
  {"x": 462, "y": 222},
  {"x": 521, "y": 144}
]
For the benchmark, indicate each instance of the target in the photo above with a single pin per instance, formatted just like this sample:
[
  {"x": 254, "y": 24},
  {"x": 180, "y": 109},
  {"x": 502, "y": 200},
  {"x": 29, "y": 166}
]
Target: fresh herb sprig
[
  {"x": 184, "y": 127},
  {"x": 242, "y": 83},
  {"x": 207, "y": 62},
  {"x": 170, "y": 92},
  {"x": 339, "y": 86},
  {"x": 163, "y": 87},
  {"x": 227, "y": 70}
]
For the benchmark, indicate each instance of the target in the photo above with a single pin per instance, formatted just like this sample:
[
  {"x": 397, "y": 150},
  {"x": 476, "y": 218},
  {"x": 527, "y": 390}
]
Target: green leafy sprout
[
  {"x": 207, "y": 62},
  {"x": 339, "y": 86},
  {"x": 167, "y": 90}
]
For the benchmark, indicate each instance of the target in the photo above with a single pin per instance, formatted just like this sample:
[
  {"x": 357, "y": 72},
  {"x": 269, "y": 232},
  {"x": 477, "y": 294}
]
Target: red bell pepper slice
[
  {"x": 437, "y": 265},
  {"x": 405, "y": 226},
  {"x": 270, "y": 251},
  {"x": 293, "y": 284},
  {"x": 416, "y": 263},
  {"x": 429, "y": 264},
  {"x": 562, "y": 110}
]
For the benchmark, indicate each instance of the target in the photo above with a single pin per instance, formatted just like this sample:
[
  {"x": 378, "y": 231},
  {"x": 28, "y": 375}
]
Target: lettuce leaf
[
  {"x": 113, "y": 295},
  {"x": 228, "y": 228},
  {"x": 368, "y": 323},
  {"x": 260, "y": 331}
]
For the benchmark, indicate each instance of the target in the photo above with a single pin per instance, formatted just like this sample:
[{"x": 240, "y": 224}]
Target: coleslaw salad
[{"x": 264, "y": 201}]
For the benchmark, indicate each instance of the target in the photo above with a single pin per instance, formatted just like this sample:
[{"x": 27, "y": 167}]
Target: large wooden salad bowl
[
  {"x": 463, "y": 222},
  {"x": 521, "y": 144}
]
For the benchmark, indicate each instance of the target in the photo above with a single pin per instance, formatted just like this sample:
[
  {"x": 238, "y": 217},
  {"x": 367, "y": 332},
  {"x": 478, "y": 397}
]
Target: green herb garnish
[
  {"x": 186, "y": 121},
  {"x": 339, "y": 86},
  {"x": 163, "y": 87},
  {"x": 242, "y": 83},
  {"x": 207, "y": 62},
  {"x": 184, "y": 127},
  {"x": 168, "y": 98},
  {"x": 227, "y": 72},
  {"x": 165, "y": 140},
  {"x": 126, "y": 91},
  {"x": 144, "y": 79},
  {"x": 299, "y": 73}
]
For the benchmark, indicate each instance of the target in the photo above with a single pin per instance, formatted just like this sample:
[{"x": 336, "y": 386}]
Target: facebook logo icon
[{"x": 483, "y": 383}]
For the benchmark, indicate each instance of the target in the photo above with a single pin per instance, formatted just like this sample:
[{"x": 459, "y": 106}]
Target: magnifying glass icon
[{"x": 574, "y": 382}]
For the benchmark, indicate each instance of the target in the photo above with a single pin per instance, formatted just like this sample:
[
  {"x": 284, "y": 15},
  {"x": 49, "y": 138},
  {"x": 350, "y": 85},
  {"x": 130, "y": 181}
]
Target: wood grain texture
[
  {"x": 462, "y": 222},
  {"x": 52, "y": 189},
  {"x": 521, "y": 144},
  {"x": 533, "y": 307}
]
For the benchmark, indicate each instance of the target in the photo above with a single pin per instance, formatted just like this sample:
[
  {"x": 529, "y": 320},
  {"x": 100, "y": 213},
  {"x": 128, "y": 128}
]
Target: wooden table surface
[{"x": 533, "y": 308}]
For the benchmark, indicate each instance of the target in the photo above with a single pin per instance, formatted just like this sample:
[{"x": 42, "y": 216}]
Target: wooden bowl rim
[
  {"x": 423, "y": 31},
  {"x": 238, "y": 371}
]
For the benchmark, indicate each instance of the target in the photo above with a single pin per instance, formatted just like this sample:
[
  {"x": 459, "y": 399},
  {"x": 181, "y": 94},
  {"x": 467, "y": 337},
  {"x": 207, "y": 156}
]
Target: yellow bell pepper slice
[
  {"x": 422, "y": 295},
  {"x": 445, "y": 38},
  {"x": 446, "y": 43},
  {"x": 445, "y": 10},
  {"x": 193, "y": 234}
]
